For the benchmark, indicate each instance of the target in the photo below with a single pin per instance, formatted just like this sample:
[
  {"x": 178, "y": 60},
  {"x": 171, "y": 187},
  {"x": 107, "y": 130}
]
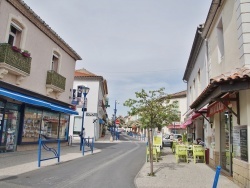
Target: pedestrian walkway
[{"x": 170, "y": 174}]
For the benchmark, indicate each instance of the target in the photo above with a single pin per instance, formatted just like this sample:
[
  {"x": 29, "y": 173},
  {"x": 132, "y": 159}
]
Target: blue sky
[{"x": 133, "y": 44}]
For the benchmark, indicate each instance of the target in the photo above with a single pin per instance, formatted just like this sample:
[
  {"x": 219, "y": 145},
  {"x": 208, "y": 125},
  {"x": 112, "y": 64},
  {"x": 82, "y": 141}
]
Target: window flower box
[
  {"x": 16, "y": 49},
  {"x": 26, "y": 53}
]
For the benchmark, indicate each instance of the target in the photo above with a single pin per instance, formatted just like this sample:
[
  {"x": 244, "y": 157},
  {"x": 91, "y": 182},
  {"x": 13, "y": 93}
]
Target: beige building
[
  {"x": 175, "y": 127},
  {"x": 36, "y": 78},
  {"x": 225, "y": 61}
]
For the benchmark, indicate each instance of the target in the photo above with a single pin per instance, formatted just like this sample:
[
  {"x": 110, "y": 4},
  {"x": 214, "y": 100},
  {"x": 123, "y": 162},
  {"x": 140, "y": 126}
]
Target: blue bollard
[
  {"x": 83, "y": 143},
  {"x": 216, "y": 176},
  {"x": 39, "y": 152},
  {"x": 92, "y": 145}
]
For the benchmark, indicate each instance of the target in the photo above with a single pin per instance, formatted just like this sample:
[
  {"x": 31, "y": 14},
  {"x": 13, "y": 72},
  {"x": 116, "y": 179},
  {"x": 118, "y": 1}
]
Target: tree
[{"x": 154, "y": 111}]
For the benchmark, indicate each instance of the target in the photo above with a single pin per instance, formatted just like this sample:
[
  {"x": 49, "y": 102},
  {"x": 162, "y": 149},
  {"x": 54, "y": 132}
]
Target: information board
[{"x": 243, "y": 144}]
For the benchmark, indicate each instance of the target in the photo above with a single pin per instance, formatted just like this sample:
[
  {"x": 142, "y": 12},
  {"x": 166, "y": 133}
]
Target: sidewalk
[
  {"x": 170, "y": 174},
  {"x": 14, "y": 163}
]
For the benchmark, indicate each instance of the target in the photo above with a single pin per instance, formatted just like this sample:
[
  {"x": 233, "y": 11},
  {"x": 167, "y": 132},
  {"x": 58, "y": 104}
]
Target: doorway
[
  {"x": 226, "y": 142},
  {"x": 9, "y": 128}
]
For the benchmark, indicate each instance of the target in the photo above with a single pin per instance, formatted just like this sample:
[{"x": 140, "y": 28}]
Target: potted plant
[
  {"x": 16, "y": 49},
  {"x": 26, "y": 53}
]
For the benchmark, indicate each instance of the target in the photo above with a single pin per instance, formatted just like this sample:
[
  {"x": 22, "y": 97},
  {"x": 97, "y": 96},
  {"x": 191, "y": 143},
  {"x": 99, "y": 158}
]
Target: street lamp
[
  {"x": 84, "y": 90},
  {"x": 115, "y": 110}
]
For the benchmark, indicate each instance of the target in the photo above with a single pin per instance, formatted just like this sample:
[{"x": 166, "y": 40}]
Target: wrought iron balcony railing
[
  {"x": 15, "y": 60},
  {"x": 55, "y": 80}
]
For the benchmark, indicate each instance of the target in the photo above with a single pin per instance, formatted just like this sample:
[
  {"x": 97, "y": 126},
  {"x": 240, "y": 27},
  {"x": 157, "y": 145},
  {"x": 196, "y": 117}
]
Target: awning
[
  {"x": 186, "y": 123},
  {"x": 198, "y": 113},
  {"x": 36, "y": 101},
  {"x": 174, "y": 127}
]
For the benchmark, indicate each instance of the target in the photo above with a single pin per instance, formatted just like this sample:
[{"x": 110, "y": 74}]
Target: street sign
[
  {"x": 117, "y": 122},
  {"x": 91, "y": 114}
]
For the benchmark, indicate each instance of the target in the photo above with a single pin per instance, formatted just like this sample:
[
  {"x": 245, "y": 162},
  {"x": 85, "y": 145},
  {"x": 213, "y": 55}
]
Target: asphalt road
[{"x": 116, "y": 166}]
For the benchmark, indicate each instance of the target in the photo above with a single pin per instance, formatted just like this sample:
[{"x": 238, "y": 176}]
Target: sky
[{"x": 133, "y": 44}]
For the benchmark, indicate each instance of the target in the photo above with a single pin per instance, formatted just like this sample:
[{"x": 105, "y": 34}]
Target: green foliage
[{"x": 153, "y": 108}]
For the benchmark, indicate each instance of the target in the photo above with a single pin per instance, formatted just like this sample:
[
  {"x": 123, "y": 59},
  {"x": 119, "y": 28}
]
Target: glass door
[
  {"x": 226, "y": 142},
  {"x": 9, "y": 130}
]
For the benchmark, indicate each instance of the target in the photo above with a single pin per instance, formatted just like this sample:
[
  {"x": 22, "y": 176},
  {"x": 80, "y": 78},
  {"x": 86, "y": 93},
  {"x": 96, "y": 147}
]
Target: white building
[
  {"x": 226, "y": 40},
  {"x": 96, "y": 115},
  {"x": 34, "y": 87},
  {"x": 181, "y": 99}
]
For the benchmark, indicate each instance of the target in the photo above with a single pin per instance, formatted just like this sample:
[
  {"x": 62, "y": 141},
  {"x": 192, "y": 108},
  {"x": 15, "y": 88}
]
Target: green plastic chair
[
  {"x": 181, "y": 153},
  {"x": 173, "y": 146},
  {"x": 198, "y": 151},
  {"x": 155, "y": 155}
]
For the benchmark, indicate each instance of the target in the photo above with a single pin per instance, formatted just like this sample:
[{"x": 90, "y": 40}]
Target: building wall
[
  {"x": 41, "y": 48},
  {"x": 196, "y": 81},
  {"x": 92, "y": 129},
  {"x": 230, "y": 59}
]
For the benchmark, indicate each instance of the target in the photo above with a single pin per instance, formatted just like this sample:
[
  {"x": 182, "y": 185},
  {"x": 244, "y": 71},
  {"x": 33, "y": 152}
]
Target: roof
[
  {"x": 37, "y": 21},
  {"x": 179, "y": 94},
  {"x": 215, "y": 5},
  {"x": 194, "y": 52},
  {"x": 229, "y": 78},
  {"x": 85, "y": 74}
]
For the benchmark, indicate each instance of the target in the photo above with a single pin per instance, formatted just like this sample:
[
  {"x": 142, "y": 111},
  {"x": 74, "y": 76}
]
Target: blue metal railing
[
  {"x": 42, "y": 143},
  {"x": 88, "y": 144}
]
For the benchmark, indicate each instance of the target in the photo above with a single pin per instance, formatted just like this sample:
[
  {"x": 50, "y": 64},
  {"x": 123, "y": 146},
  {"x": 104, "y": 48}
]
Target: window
[
  {"x": 220, "y": 40},
  {"x": 15, "y": 35},
  {"x": 55, "y": 61}
]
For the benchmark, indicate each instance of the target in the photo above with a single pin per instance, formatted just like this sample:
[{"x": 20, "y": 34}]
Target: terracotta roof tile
[{"x": 235, "y": 74}]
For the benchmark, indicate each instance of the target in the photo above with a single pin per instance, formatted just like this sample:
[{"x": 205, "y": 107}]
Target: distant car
[{"x": 166, "y": 142}]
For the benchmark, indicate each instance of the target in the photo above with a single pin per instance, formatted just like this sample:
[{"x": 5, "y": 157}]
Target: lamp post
[
  {"x": 115, "y": 110},
  {"x": 84, "y": 91}
]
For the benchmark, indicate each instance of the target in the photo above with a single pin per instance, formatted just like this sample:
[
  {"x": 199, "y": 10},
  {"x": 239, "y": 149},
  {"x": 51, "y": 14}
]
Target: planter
[
  {"x": 25, "y": 54},
  {"x": 16, "y": 49}
]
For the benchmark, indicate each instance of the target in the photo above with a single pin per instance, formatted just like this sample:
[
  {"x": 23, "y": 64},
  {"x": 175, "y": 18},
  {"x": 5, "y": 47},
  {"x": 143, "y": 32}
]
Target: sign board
[
  {"x": 243, "y": 144},
  {"x": 117, "y": 122},
  {"x": 91, "y": 114}
]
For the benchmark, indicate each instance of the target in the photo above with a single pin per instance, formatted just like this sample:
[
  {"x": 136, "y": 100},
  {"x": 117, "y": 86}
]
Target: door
[{"x": 226, "y": 143}]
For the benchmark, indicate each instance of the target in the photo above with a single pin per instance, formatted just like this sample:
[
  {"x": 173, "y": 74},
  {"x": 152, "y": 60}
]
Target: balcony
[
  {"x": 55, "y": 83},
  {"x": 12, "y": 62}
]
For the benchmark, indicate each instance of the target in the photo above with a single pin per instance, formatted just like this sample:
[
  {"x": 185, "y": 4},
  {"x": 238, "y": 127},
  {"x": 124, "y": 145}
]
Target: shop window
[
  {"x": 50, "y": 124},
  {"x": 77, "y": 125},
  {"x": 64, "y": 126},
  {"x": 32, "y": 123},
  {"x": 15, "y": 34},
  {"x": 55, "y": 62},
  {"x": 220, "y": 38}
]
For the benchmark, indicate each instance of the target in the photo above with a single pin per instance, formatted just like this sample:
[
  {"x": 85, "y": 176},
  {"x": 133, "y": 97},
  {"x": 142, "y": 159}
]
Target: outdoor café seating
[
  {"x": 198, "y": 152},
  {"x": 181, "y": 153},
  {"x": 155, "y": 154}
]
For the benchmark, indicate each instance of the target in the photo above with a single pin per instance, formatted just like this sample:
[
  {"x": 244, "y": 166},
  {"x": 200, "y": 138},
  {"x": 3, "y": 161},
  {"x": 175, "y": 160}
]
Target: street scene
[
  {"x": 124, "y": 93},
  {"x": 113, "y": 164}
]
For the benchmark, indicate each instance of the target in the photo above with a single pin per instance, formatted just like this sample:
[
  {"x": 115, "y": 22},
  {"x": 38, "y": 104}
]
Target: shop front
[{"x": 24, "y": 118}]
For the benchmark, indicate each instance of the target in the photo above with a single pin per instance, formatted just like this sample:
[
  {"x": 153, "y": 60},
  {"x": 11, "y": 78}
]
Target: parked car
[{"x": 166, "y": 142}]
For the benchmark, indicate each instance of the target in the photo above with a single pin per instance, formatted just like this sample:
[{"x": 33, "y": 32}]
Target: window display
[
  {"x": 32, "y": 123},
  {"x": 50, "y": 124},
  {"x": 44, "y": 122}
]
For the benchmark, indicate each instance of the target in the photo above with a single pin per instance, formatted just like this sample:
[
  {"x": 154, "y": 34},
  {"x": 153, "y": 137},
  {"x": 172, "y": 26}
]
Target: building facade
[
  {"x": 225, "y": 36},
  {"x": 95, "y": 116},
  {"x": 175, "y": 127},
  {"x": 36, "y": 78}
]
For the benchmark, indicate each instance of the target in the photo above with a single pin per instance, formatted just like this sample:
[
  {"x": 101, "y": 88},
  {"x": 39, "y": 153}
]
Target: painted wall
[
  {"x": 92, "y": 129},
  {"x": 230, "y": 60},
  {"x": 41, "y": 48}
]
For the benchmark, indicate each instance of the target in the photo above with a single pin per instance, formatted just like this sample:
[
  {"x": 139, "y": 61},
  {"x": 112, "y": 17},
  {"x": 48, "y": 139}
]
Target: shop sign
[{"x": 215, "y": 108}]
